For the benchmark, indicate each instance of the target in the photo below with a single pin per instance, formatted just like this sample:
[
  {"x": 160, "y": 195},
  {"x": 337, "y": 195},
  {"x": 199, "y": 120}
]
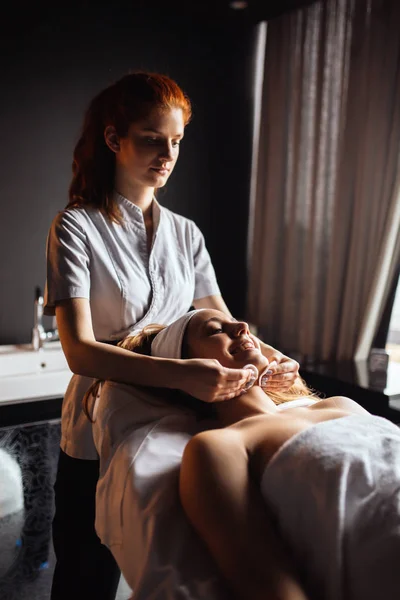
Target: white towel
[{"x": 334, "y": 490}]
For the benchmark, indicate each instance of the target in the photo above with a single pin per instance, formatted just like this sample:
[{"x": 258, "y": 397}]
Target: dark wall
[{"x": 53, "y": 63}]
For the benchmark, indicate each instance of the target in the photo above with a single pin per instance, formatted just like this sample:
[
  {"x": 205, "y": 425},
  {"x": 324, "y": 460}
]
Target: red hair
[{"x": 129, "y": 99}]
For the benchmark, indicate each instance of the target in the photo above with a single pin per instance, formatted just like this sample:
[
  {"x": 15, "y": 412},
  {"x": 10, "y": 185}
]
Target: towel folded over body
[{"x": 334, "y": 491}]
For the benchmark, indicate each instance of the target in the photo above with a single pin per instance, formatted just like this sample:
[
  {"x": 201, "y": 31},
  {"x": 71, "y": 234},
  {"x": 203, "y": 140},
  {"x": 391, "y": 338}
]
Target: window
[
  {"x": 393, "y": 338},
  {"x": 388, "y": 335}
]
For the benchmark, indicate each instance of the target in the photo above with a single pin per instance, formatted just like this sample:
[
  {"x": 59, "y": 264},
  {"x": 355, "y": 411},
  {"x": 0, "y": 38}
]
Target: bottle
[{"x": 38, "y": 332}]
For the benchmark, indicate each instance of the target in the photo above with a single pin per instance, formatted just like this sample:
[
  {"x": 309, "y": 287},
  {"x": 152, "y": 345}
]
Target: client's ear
[{"x": 112, "y": 138}]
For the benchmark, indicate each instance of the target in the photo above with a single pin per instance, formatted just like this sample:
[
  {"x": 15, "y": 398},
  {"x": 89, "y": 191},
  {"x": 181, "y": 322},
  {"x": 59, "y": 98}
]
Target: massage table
[{"x": 140, "y": 440}]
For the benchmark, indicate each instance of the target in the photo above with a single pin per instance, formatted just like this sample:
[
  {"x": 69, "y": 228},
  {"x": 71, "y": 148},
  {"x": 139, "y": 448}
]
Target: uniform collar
[{"x": 130, "y": 210}]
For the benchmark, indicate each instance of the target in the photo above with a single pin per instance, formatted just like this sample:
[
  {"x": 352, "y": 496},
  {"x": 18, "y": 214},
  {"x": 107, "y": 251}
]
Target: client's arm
[
  {"x": 283, "y": 375},
  {"x": 226, "y": 508}
]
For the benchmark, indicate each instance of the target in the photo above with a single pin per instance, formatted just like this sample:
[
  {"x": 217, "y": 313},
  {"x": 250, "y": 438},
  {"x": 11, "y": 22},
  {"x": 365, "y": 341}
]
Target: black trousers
[{"x": 85, "y": 568}]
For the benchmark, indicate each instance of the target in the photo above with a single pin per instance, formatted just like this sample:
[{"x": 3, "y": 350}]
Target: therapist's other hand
[
  {"x": 281, "y": 376},
  {"x": 282, "y": 371},
  {"x": 208, "y": 380}
]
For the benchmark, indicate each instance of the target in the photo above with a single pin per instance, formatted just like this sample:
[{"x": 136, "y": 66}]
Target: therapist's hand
[
  {"x": 208, "y": 380},
  {"x": 282, "y": 371}
]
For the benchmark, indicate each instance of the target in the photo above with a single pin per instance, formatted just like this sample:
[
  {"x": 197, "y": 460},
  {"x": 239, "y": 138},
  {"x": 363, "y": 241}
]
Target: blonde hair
[
  {"x": 298, "y": 390},
  {"x": 141, "y": 343}
]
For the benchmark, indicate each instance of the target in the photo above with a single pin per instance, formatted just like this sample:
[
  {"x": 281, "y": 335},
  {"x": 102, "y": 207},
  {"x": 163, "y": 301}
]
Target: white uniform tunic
[{"x": 90, "y": 257}]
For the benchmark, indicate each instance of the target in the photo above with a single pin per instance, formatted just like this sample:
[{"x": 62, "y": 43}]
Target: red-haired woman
[{"x": 117, "y": 261}]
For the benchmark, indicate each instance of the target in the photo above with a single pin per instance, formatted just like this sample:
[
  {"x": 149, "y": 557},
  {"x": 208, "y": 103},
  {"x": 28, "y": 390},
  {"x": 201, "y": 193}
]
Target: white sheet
[{"x": 138, "y": 514}]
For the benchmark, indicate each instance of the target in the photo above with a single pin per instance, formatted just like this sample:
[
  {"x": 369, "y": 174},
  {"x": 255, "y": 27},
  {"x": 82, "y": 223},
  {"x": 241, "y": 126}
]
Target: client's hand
[
  {"x": 282, "y": 371},
  {"x": 208, "y": 380}
]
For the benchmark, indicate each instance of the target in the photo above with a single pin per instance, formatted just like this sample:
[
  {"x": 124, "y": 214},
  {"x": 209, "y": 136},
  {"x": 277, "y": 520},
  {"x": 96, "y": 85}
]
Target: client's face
[{"x": 212, "y": 334}]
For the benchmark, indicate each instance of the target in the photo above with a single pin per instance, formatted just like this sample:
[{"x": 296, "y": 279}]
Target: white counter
[{"x": 27, "y": 375}]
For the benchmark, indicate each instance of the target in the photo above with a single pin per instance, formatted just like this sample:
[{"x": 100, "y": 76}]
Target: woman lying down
[{"x": 295, "y": 504}]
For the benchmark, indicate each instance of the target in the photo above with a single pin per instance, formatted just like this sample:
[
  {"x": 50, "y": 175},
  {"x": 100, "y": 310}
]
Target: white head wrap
[{"x": 168, "y": 342}]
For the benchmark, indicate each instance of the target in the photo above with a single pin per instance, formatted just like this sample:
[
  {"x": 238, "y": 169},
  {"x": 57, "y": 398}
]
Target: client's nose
[{"x": 241, "y": 328}]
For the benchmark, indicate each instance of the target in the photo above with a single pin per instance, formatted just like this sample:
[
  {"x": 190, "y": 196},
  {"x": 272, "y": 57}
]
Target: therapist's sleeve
[
  {"x": 205, "y": 279},
  {"x": 68, "y": 262}
]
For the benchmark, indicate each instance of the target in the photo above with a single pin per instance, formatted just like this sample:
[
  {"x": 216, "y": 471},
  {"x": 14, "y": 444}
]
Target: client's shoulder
[{"x": 340, "y": 402}]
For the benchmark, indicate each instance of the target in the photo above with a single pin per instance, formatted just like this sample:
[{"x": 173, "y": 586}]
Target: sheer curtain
[{"x": 324, "y": 226}]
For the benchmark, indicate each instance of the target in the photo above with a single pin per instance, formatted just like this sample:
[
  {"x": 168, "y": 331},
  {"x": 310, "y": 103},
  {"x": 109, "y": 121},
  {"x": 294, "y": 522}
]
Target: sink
[
  {"x": 28, "y": 374},
  {"x": 22, "y": 360}
]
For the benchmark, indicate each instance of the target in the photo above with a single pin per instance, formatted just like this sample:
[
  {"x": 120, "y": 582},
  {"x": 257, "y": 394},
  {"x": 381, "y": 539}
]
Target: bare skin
[{"x": 220, "y": 498}]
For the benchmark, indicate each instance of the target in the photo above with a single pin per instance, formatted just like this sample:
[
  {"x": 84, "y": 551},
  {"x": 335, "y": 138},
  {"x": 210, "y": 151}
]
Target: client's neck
[{"x": 252, "y": 403}]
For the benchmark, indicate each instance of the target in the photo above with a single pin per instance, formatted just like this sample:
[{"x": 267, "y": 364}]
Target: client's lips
[
  {"x": 242, "y": 346},
  {"x": 160, "y": 170}
]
